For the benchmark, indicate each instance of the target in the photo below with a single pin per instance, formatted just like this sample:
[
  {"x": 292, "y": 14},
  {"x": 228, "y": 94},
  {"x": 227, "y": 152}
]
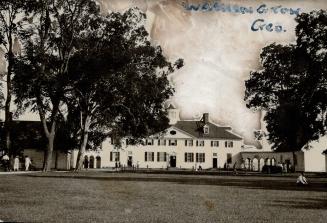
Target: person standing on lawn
[
  {"x": 16, "y": 163},
  {"x": 5, "y": 161},
  {"x": 27, "y": 163},
  {"x": 234, "y": 168}
]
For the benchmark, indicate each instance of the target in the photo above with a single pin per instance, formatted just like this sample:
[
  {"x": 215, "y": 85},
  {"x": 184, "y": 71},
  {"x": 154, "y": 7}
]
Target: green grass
[{"x": 127, "y": 197}]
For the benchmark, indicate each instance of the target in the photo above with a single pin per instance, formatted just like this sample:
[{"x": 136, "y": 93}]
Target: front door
[
  {"x": 172, "y": 161},
  {"x": 129, "y": 161},
  {"x": 214, "y": 163}
]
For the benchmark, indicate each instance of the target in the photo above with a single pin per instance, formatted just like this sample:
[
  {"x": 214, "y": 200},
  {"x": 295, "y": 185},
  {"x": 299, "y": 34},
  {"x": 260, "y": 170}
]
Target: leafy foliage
[
  {"x": 292, "y": 85},
  {"x": 118, "y": 76},
  {"x": 91, "y": 74}
]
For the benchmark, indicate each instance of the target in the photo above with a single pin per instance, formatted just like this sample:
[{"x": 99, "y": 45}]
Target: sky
[{"x": 219, "y": 50}]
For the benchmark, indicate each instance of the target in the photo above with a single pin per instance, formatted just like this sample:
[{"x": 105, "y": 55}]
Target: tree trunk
[
  {"x": 83, "y": 144},
  {"x": 48, "y": 158},
  {"x": 50, "y": 134},
  {"x": 8, "y": 114}
]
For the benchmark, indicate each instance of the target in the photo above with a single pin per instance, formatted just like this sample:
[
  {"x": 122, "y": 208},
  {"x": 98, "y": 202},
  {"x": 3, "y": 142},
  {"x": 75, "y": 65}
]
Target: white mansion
[{"x": 185, "y": 144}]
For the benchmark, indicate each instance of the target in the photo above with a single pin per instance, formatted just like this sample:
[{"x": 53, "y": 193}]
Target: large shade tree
[
  {"x": 119, "y": 80},
  {"x": 41, "y": 79},
  {"x": 291, "y": 85}
]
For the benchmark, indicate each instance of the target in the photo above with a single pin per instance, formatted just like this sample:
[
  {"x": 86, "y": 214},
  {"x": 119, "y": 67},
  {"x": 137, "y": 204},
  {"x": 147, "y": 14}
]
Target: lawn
[{"x": 128, "y": 197}]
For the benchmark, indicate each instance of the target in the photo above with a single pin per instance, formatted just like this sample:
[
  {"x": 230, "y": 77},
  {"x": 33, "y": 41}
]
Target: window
[
  {"x": 161, "y": 156},
  {"x": 214, "y": 143},
  {"x": 172, "y": 132},
  {"x": 161, "y": 142},
  {"x": 149, "y": 142},
  {"x": 199, "y": 142},
  {"x": 228, "y": 144},
  {"x": 189, "y": 157},
  {"x": 206, "y": 129},
  {"x": 173, "y": 142},
  {"x": 188, "y": 142},
  {"x": 114, "y": 156},
  {"x": 229, "y": 158},
  {"x": 214, "y": 154},
  {"x": 200, "y": 157},
  {"x": 149, "y": 156}
]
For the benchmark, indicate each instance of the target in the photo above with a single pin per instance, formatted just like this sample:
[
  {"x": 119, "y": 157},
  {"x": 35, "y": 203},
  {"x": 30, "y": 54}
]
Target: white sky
[{"x": 219, "y": 50}]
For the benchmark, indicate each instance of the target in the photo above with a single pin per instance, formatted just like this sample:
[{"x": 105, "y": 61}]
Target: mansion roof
[{"x": 195, "y": 128}]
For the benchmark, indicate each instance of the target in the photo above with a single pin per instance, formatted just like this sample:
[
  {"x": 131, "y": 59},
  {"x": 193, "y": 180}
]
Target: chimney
[{"x": 205, "y": 118}]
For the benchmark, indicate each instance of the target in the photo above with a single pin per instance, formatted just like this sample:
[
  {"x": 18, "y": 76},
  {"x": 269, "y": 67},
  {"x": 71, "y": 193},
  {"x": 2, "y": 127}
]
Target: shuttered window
[
  {"x": 200, "y": 143},
  {"x": 229, "y": 144},
  {"x": 189, "y": 157},
  {"x": 214, "y": 143},
  {"x": 161, "y": 142},
  {"x": 200, "y": 157},
  {"x": 173, "y": 142},
  {"x": 161, "y": 156},
  {"x": 149, "y": 156},
  {"x": 114, "y": 156},
  {"x": 188, "y": 142}
]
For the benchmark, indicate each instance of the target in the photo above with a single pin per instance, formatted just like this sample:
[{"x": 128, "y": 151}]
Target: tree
[
  {"x": 119, "y": 80},
  {"x": 49, "y": 43},
  {"x": 2, "y": 98},
  {"x": 10, "y": 17},
  {"x": 291, "y": 86}
]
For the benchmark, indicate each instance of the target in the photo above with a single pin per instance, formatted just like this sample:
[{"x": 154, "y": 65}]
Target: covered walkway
[{"x": 254, "y": 161}]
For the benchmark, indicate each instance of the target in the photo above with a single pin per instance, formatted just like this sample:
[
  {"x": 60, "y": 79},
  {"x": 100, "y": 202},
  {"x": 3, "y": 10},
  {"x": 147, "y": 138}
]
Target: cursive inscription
[{"x": 258, "y": 24}]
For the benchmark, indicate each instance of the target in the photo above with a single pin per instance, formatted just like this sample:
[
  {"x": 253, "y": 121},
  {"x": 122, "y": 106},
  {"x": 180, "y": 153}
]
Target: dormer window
[{"x": 206, "y": 129}]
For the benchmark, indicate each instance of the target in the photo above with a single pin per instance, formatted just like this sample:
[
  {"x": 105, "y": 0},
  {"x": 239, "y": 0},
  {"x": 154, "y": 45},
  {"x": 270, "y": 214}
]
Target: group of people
[
  {"x": 286, "y": 167},
  {"x": 6, "y": 162}
]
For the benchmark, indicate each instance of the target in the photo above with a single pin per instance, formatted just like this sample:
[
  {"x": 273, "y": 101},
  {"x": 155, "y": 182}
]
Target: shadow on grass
[
  {"x": 302, "y": 203},
  {"x": 264, "y": 184}
]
